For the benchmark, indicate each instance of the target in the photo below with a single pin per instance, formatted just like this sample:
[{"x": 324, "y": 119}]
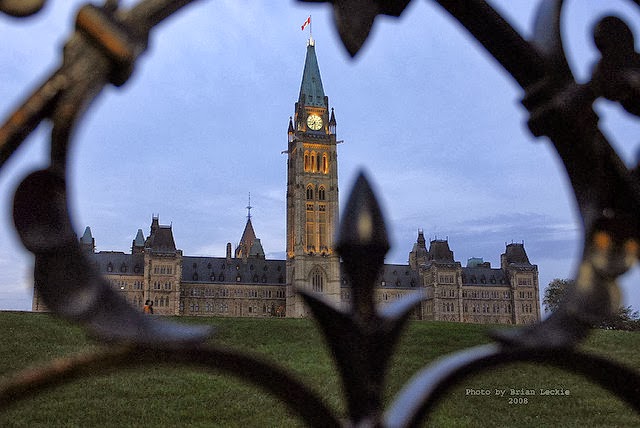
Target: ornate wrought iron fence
[{"x": 103, "y": 50}]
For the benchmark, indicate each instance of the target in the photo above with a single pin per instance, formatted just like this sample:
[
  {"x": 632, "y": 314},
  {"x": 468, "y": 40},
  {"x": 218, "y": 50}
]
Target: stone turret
[{"x": 87, "y": 242}]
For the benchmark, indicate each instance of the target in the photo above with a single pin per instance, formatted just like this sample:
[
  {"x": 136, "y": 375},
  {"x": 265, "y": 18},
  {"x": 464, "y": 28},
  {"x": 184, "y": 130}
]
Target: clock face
[{"x": 314, "y": 122}]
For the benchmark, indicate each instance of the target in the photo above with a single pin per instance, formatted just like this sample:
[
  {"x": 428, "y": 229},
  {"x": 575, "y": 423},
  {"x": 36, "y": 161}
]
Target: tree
[
  {"x": 555, "y": 292},
  {"x": 625, "y": 319}
]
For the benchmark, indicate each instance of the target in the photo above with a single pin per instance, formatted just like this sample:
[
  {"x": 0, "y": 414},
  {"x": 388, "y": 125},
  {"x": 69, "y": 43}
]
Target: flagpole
[{"x": 307, "y": 22}]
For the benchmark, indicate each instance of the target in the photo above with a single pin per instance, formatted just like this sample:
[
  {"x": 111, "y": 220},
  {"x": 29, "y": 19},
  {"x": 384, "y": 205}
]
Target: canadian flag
[{"x": 307, "y": 22}]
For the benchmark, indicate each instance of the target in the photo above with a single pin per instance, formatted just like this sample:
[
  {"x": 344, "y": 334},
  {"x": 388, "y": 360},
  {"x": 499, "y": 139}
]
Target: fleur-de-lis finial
[{"x": 361, "y": 337}]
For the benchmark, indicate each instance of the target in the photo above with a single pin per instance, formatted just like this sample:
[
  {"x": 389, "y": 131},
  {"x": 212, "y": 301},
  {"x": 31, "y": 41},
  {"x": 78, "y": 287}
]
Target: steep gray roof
[
  {"x": 393, "y": 275},
  {"x": 311, "y": 90},
  {"x": 516, "y": 254},
  {"x": 87, "y": 238},
  {"x": 223, "y": 270},
  {"x": 161, "y": 241},
  {"x": 139, "y": 239},
  {"x": 479, "y": 276},
  {"x": 439, "y": 251},
  {"x": 256, "y": 249},
  {"x": 114, "y": 262}
]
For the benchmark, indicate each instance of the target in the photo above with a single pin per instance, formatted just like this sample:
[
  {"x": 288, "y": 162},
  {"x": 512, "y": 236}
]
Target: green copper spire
[{"x": 311, "y": 91}]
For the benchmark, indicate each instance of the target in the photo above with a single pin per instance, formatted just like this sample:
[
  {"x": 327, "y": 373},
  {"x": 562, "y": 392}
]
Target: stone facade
[
  {"x": 244, "y": 283},
  {"x": 312, "y": 193}
]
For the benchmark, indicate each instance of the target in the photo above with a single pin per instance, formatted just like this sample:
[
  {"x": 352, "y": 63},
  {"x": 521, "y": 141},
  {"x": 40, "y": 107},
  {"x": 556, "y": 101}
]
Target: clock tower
[{"x": 312, "y": 193}]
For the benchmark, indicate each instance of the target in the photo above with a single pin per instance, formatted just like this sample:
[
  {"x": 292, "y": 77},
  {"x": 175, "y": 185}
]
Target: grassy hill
[{"x": 164, "y": 396}]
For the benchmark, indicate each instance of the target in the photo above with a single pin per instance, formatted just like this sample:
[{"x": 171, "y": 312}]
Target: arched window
[
  {"x": 317, "y": 281},
  {"x": 309, "y": 192},
  {"x": 307, "y": 162},
  {"x": 321, "y": 193},
  {"x": 325, "y": 163},
  {"x": 312, "y": 167}
]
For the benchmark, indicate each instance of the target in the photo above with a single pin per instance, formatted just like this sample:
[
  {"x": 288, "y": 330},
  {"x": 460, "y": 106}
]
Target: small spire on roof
[{"x": 249, "y": 208}]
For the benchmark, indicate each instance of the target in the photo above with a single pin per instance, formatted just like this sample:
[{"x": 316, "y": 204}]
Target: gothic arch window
[
  {"x": 123, "y": 267},
  {"x": 317, "y": 280},
  {"x": 321, "y": 193},
  {"x": 312, "y": 166},
  {"x": 325, "y": 163},
  {"x": 309, "y": 192},
  {"x": 110, "y": 267},
  {"x": 318, "y": 163},
  {"x": 307, "y": 162}
]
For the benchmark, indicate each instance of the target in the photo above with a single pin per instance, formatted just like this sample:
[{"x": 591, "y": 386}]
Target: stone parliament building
[{"x": 245, "y": 283}]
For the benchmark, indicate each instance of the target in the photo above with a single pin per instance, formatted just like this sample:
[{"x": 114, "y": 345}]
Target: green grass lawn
[{"x": 165, "y": 397}]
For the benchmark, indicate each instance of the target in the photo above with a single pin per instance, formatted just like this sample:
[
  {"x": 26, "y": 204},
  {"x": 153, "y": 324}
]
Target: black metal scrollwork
[{"x": 103, "y": 50}]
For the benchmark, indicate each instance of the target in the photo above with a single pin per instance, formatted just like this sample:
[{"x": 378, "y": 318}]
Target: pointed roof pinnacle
[
  {"x": 87, "y": 237},
  {"x": 311, "y": 90},
  {"x": 139, "y": 239}
]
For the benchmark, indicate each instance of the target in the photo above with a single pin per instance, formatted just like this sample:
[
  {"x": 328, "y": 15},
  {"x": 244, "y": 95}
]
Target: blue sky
[{"x": 432, "y": 119}]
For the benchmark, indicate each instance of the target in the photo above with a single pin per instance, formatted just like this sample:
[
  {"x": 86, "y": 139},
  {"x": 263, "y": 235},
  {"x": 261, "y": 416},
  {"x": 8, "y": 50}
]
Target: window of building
[
  {"x": 322, "y": 230},
  {"x": 312, "y": 162},
  {"x": 321, "y": 193},
  {"x": 525, "y": 281},
  {"x": 317, "y": 281},
  {"x": 310, "y": 227},
  {"x": 309, "y": 192}
]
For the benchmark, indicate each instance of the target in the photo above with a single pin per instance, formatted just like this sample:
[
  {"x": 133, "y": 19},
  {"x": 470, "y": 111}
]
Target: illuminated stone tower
[{"x": 312, "y": 193}]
